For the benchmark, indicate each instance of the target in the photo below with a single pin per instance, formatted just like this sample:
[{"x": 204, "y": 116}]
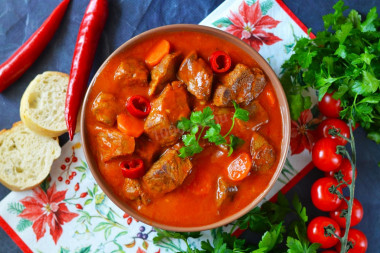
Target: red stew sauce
[{"x": 194, "y": 202}]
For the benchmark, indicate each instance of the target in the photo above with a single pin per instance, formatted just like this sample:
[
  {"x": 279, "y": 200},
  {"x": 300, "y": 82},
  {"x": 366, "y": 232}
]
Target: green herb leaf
[
  {"x": 344, "y": 58},
  {"x": 375, "y": 136},
  {"x": 184, "y": 124},
  {"x": 301, "y": 210},
  {"x": 190, "y": 150},
  {"x": 272, "y": 237},
  {"x": 341, "y": 51},
  {"x": 234, "y": 143},
  {"x": 203, "y": 120},
  {"x": 344, "y": 31},
  {"x": 355, "y": 18},
  {"x": 298, "y": 104},
  {"x": 368, "y": 24},
  {"x": 295, "y": 246},
  {"x": 240, "y": 113},
  {"x": 258, "y": 220},
  {"x": 213, "y": 135}
]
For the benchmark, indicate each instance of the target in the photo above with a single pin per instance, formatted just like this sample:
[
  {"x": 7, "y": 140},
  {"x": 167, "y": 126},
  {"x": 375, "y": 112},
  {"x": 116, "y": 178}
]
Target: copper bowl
[{"x": 284, "y": 108}]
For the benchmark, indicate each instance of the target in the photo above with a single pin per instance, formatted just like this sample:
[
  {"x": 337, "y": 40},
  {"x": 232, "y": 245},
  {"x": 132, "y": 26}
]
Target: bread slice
[
  {"x": 43, "y": 103},
  {"x": 25, "y": 157}
]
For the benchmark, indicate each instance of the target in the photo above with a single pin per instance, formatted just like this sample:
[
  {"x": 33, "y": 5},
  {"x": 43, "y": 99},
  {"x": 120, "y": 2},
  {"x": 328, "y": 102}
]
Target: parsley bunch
[
  {"x": 267, "y": 221},
  {"x": 344, "y": 58},
  {"x": 200, "y": 120}
]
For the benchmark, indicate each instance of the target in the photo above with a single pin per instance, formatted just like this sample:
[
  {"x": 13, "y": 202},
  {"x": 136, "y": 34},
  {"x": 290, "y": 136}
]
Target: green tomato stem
[{"x": 352, "y": 160}]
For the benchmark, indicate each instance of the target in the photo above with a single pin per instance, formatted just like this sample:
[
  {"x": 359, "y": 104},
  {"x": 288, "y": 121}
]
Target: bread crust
[
  {"x": 24, "y": 109},
  {"x": 5, "y": 180}
]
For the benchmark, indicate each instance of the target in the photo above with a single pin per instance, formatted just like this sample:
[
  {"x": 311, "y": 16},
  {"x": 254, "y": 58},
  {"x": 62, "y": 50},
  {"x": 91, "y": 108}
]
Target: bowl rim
[{"x": 281, "y": 97}]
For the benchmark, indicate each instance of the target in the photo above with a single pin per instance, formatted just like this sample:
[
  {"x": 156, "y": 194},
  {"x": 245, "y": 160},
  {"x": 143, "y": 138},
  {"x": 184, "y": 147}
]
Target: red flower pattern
[
  {"x": 47, "y": 209},
  {"x": 249, "y": 25},
  {"x": 303, "y": 133}
]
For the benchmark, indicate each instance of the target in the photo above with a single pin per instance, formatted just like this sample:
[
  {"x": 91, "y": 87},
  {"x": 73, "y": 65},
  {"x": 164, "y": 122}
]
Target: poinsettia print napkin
[{"x": 68, "y": 212}]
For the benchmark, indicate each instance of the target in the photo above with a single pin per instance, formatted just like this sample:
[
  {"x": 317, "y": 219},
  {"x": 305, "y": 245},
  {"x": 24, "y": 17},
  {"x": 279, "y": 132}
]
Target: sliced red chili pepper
[
  {"x": 23, "y": 58},
  {"x": 88, "y": 37},
  {"x": 132, "y": 168},
  {"x": 138, "y": 106},
  {"x": 220, "y": 62}
]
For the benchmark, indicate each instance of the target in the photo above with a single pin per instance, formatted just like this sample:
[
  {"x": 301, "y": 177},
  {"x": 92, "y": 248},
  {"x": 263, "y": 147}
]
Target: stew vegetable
[{"x": 173, "y": 136}]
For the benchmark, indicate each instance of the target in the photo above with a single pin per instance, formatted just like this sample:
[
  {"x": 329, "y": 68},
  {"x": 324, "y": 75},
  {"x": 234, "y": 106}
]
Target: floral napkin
[{"x": 68, "y": 212}]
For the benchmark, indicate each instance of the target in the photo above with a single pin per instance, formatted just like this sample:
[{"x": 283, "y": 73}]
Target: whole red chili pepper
[
  {"x": 138, "y": 106},
  {"x": 13, "y": 68},
  {"x": 90, "y": 30},
  {"x": 132, "y": 168},
  {"x": 220, "y": 62}
]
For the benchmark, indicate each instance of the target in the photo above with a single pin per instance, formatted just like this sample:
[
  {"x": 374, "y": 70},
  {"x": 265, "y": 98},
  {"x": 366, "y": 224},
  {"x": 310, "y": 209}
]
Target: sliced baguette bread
[
  {"x": 25, "y": 157},
  {"x": 43, "y": 103}
]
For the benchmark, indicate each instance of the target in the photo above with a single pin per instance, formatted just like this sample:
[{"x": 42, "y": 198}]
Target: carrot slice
[
  {"x": 240, "y": 167},
  {"x": 157, "y": 52},
  {"x": 130, "y": 125},
  {"x": 270, "y": 96}
]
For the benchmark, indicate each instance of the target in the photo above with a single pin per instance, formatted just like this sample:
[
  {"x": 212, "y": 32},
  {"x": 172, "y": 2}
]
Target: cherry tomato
[
  {"x": 329, "y": 251},
  {"x": 316, "y": 232},
  {"x": 324, "y": 154},
  {"x": 321, "y": 196},
  {"x": 346, "y": 169},
  {"x": 339, "y": 125},
  {"x": 329, "y": 106},
  {"x": 358, "y": 240},
  {"x": 356, "y": 216}
]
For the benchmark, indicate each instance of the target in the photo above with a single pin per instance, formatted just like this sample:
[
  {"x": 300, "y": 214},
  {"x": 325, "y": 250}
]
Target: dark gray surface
[{"x": 128, "y": 18}]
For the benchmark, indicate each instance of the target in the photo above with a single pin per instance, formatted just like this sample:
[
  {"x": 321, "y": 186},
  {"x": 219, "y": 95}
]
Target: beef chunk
[
  {"x": 223, "y": 191},
  {"x": 197, "y": 75},
  {"x": 105, "y": 108},
  {"x": 147, "y": 150},
  {"x": 131, "y": 188},
  {"x": 132, "y": 72},
  {"x": 167, "y": 110},
  {"x": 223, "y": 96},
  {"x": 166, "y": 174},
  {"x": 163, "y": 73},
  {"x": 260, "y": 82},
  {"x": 258, "y": 117},
  {"x": 113, "y": 143},
  {"x": 243, "y": 83},
  {"x": 263, "y": 154}
]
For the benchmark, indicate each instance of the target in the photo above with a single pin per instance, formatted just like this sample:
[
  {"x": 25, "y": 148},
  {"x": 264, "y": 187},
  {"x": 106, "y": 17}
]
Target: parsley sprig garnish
[
  {"x": 201, "y": 121},
  {"x": 344, "y": 58},
  {"x": 266, "y": 221}
]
